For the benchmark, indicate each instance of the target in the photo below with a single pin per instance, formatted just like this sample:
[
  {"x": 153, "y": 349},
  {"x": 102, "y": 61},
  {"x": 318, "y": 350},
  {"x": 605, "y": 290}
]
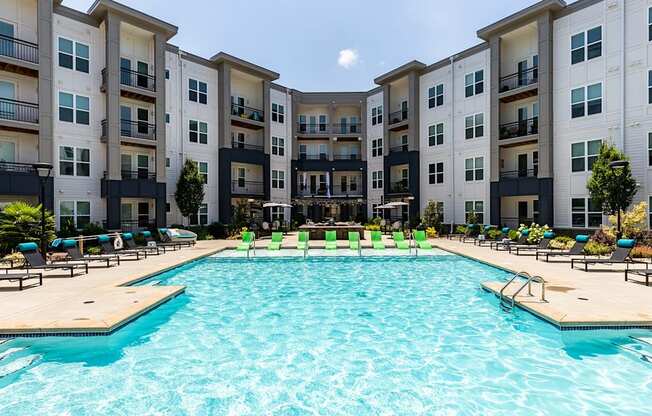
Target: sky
[{"x": 332, "y": 45}]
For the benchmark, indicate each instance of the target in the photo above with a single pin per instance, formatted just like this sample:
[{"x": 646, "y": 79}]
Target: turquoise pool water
[{"x": 329, "y": 336}]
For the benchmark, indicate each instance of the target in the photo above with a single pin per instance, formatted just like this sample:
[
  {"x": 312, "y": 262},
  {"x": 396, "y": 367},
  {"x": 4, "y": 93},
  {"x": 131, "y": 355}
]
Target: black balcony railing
[
  {"x": 247, "y": 112},
  {"x": 399, "y": 148},
  {"x": 349, "y": 189},
  {"x": 520, "y": 79},
  {"x": 134, "y": 79},
  {"x": 313, "y": 128},
  {"x": 18, "y": 110},
  {"x": 347, "y": 128},
  {"x": 312, "y": 190},
  {"x": 138, "y": 174},
  {"x": 18, "y": 49},
  {"x": 133, "y": 129},
  {"x": 519, "y": 128},
  {"x": 399, "y": 187},
  {"x": 142, "y": 223},
  {"x": 352, "y": 156},
  {"x": 15, "y": 167},
  {"x": 519, "y": 173},
  {"x": 305, "y": 156},
  {"x": 397, "y": 117},
  {"x": 247, "y": 146},
  {"x": 244, "y": 187}
]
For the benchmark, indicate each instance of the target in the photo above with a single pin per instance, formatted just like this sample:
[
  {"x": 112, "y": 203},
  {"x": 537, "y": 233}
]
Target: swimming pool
[{"x": 361, "y": 336}]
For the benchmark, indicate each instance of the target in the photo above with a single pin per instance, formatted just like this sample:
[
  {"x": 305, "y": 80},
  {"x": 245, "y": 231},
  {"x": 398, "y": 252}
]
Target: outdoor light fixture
[
  {"x": 618, "y": 164},
  {"x": 43, "y": 171}
]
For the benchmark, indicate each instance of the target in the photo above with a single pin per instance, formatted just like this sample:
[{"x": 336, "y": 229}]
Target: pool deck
[{"x": 574, "y": 298}]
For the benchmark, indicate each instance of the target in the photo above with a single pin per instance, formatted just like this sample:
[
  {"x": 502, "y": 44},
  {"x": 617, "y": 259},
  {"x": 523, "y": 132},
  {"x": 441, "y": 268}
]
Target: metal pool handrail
[{"x": 528, "y": 284}]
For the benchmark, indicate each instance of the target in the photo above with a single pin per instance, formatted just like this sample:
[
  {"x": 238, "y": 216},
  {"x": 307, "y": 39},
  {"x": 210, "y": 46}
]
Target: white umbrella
[{"x": 276, "y": 204}]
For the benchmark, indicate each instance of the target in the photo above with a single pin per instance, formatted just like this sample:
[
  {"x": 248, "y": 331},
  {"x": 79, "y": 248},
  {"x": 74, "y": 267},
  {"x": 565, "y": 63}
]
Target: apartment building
[{"x": 507, "y": 129}]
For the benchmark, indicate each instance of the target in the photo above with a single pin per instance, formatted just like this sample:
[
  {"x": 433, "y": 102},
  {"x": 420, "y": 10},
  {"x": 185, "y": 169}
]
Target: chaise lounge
[
  {"x": 622, "y": 255},
  {"x": 34, "y": 260}
]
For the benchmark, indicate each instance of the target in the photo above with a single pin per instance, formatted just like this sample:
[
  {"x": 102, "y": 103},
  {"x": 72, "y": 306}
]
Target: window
[
  {"x": 586, "y": 100},
  {"x": 167, "y": 207},
  {"x": 649, "y": 24},
  {"x": 474, "y": 126},
  {"x": 436, "y": 96},
  {"x": 201, "y": 218},
  {"x": 278, "y": 179},
  {"x": 167, "y": 73},
  {"x": 436, "y": 134},
  {"x": 377, "y": 115},
  {"x": 586, "y": 45},
  {"x": 474, "y": 83},
  {"x": 203, "y": 170},
  {"x": 649, "y": 149},
  {"x": 74, "y": 108},
  {"x": 73, "y": 53},
  {"x": 585, "y": 214},
  {"x": 76, "y": 213},
  {"x": 436, "y": 173},
  {"x": 278, "y": 113},
  {"x": 377, "y": 179},
  {"x": 278, "y": 214},
  {"x": 377, "y": 147},
  {"x": 74, "y": 161},
  {"x": 197, "y": 132},
  {"x": 278, "y": 146},
  {"x": 167, "y": 118},
  {"x": 167, "y": 162},
  {"x": 584, "y": 154},
  {"x": 649, "y": 86},
  {"x": 474, "y": 208},
  {"x": 197, "y": 91},
  {"x": 474, "y": 169}
]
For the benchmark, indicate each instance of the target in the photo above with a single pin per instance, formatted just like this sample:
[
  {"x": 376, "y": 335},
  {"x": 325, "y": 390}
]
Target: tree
[
  {"x": 611, "y": 188},
  {"x": 190, "y": 189},
  {"x": 432, "y": 215},
  {"x": 20, "y": 222}
]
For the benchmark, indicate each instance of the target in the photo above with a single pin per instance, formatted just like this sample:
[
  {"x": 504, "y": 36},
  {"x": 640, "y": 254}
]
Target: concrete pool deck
[{"x": 102, "y": 301}]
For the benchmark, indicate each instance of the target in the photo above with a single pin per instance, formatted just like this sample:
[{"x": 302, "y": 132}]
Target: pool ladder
[{"x": 507, "y": 302}]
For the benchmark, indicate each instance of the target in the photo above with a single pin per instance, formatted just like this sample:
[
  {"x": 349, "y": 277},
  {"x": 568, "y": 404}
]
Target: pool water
[{"x": 354, "y": 336}]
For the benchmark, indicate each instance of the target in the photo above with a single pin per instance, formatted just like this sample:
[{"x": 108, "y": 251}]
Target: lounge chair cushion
[
  {"x": 22, "y": 247},
  {"x": 127, "y": 236},
  {"x": 626, "y": 243},
  {"x": 548, "y": 235},
  {"x": 582, "y": 238},
  {"x": 103, "y": 238},
  {"x": 525, "y": 232},
  {"x": 505, "y": 230},
  {"x": 69, "y": 243},
  {"x": 146, "y": 234}
]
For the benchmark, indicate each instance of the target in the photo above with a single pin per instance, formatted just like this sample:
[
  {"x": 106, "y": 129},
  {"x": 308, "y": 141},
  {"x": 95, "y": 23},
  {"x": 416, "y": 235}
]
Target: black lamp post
[
  {"x": 43, "y": 170},
  {"x": 617, "y": 166}
]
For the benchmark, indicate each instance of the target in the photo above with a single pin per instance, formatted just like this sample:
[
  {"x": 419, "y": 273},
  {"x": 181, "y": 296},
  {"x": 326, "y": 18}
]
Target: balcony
[
  {"x": 132, "y": 184},
  {"x": 518, "y": 182},
  {"x": 313, "y": 128},
  {"x": 18, "y": 56},
  {"x": 244, "y": 187},
  {"x": 518, "y": 129},
  {"x": 19, "y": 179},
  {"x": 398, "y": 148},
  {"x": 312, "y": 191},
  {"x": 352, "y": 156},
  {"x": 399, "y": 187},
  {"x": 347, "y": 128},
  {"x": 246, "y": 146},
  {"x": 519, "y": 85},
  {"x": 349, "y": 190},
  {"x": 138, "y": 174},
  {"x": 397, "y": 120},
  {"x": 142, "y": 131},
  {"x": 247, "y": 117},
  {"x": 134, "y": 84},
  {"x": 520, "y": 173},
  {"x": 18, "y": 116},
  {"x": 307, "y": 156}
]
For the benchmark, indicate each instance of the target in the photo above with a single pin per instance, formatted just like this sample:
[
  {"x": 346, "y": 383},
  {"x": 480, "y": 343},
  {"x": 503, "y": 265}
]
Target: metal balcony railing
[
  {"x": 15, "y": 167},
  {"x": 399, "y": 187},
  {"x": 247, "y": 112},
  {"x": 347, "y": 128},
  {"x": 519, "y": 128},
  {"x": 399, "y": 148},
  {"x": 18, "y": 49},
  {"x": 519, "y": 79},
  {"x": 313, "y": 128},
  {"x": 138, "y": 174},
  {"x": 519, "y": 173},
  {"x": 312, "y": 191},
  {"x": 244, "y": 187},
  {"x": 349, "y": 189},
  {"x": 306, "y": 156},
  {"x": 351, "y": 156},
  {"x": 397, "y": 117},
  {"x": 133, "y": 129},
  {"x": 134, "y": 79},
  {"x": 247, "y": 146},
  {"x": 18, "y": 110}
]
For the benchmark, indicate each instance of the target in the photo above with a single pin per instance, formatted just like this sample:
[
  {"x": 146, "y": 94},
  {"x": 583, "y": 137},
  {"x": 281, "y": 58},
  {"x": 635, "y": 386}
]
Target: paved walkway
[{"x": 574, "y": 297}]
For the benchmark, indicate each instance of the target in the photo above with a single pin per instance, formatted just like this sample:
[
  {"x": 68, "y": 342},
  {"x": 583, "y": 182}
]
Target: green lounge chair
[
  {"x": 377, "y": 240},
  {"x": 247, "y": 241},
  {"x": 421, "y": 240},
  {"x": 277, "y": 240},
  {"x": 399, "y": 240},
  {"x": 302, "y": 240},
  {"x": 354, "y": 240},
  {"x": 331, "y": 240}
]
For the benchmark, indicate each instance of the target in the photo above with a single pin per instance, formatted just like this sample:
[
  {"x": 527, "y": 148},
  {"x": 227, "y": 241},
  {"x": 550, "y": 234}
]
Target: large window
[
  {"x": 377, "y": 115},
  {"x": 74, "y": 161},
  {"x": 278, "y": 113},
  {"x": 474, "y": 169},
  {"x": 474, "y": 126},
  {"x": 585, "y": 213},
  {"x": 201, "y": 217},
  {"x": 75, "y": 213},
  {"x": 436, "y": 134},
  {"x": 436, "y": 96},
  {"x": 584, "y": 154},
  {"x": 474, "y": 83},
  {"x": 474, "y": 208},
  {"x": 203, "y": 170},
  {"x": 377, "y": 179},
  {"x": 436, "y": 173},
  {"x": 278, "y": 179},
  {"x": 586, "y": 100},
  {"x": 197, "y": 131},
  {"x": 586, "y": 45},
  {"x": 73, "y": 55},
  {"x": 278, "y": 146},
  {"x": 197, "y": 91},
  {"x": 74, "y": 108},
  {"x": 376, "y": 147}
]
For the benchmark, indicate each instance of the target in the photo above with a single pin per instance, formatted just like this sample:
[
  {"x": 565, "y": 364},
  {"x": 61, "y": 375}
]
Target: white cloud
[{"x": 347, "y": 58}]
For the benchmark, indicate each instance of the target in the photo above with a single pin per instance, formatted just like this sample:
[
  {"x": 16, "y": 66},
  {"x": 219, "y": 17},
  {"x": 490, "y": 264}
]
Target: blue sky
[{"x": 329, "y": 45}]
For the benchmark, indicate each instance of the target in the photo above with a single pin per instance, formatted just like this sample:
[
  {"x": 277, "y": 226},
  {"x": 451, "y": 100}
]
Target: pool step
[
  {"x": 18, "y": 364},
  {"x": 153, "y": 283},
  {"x": 5, "y": 340},
  {"x": 6, "y": 353},
  {"x": 641, "y": 347}
]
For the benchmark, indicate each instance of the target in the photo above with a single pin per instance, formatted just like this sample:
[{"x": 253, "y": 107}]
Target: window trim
[
  {"x": 436, "y": 99},
  {"x": 377, "y": 147},
  {"x": 586, "y": 100},
  {"x": 475, "y": 126},
  {"x": 74, "y": 162},
  {"x": 74, "y": 55},
  {"x": 278, "y": 149},
  {"x": 585, "y": 45},
  {"x": 475, "y": 83},
  {"x": 198, "y": 131},
  {"x": 585, "y": 156},
  {"x": 197, "y": 91},
  {"x": 436, "y": 174},
  {"x": 280, "y": 179},
  {"x": 203, "y": 175},
  {"x": 474, "y": 202},
  {"x": 74, "y": 108},
  {"x": 474, "y": 169},
  {"x": 278, "y": 115},
  {"x": 437, "y": 134},
  {"x": 377, "y": 182},
  {"x": 75, "y": 212}
]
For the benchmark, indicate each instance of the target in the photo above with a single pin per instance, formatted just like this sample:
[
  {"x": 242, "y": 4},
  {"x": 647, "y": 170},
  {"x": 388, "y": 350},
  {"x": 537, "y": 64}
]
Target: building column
[
  {"x": 159, "y": 73},
  {"x": 386, "y": 92},
  {"x": 546, "y": 164},
  {"x": 113, "y": 165},
  {"x": 267, "y": 108},
  {"x": 413, "y": 112},
  {"x": 45, "y": 83}
]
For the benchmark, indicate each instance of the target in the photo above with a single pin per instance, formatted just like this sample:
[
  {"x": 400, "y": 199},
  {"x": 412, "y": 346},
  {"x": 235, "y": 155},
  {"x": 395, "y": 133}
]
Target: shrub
[
  {"x": 93, "y": 229},
  {"x": 16, "y": 259},
  {"x": 460, "y": 229},
  {"x": 431, "y": 232},
  {"x": 633, "y": 222},
  {"x": 593, "y": 248},
  {"x": 536, "y": 232},
  {"x": 603, "y": 236},
  {"x": 642, "y": 252},
  {"x": 562, "y": 242},
  {"x": 494, "y": 234},
  {"x": 217, "y": 230},
  {"x": 93, "y": 250},
  {"x": 513, "y": 235},
  {"x": 432, "y": 216},
  {"x": 372, "y": 227},
  {"x": 21, "y": 222}
]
